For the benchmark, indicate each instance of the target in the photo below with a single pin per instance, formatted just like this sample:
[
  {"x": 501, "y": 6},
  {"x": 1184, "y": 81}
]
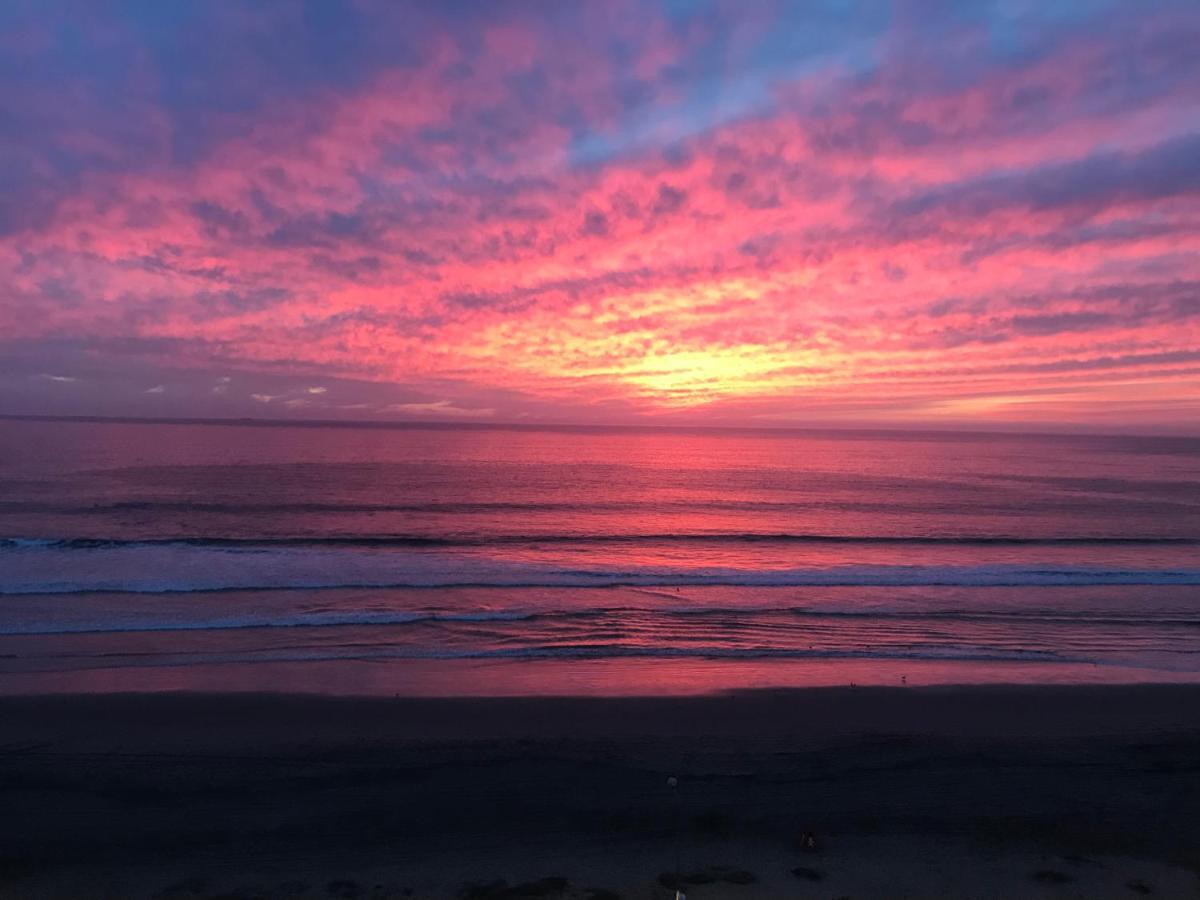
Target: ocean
[{"x": 489, "y": 560}]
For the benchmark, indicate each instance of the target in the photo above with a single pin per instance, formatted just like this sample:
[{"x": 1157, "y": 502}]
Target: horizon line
[{"x": 436, "y": 424}]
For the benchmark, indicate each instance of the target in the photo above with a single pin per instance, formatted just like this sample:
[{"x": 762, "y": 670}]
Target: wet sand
[{"x": 948, "y": 791}]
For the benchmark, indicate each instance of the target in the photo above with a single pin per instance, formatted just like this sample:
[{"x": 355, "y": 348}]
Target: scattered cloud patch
[
  {"x": 440, "y": 408},
  {"x": 715, "y": 212}
]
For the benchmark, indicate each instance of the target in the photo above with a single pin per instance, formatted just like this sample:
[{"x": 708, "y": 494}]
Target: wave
[
  {"x": 603, "y": 651},
  {"x": 153, "y": 579},
  {"x": 74, "y": 565},
  {"x": 600, "y": 615},
  {"x": 599, "y": 651},
  {"x": 471, "y": 540},
  {"x": 1177, "y": 498},
  {"x": 250, "y": 622},
  {"x": 200, "y": 506}
]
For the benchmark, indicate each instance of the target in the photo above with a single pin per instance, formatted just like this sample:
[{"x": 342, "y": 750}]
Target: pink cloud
[{"x": 837, "y": 244}]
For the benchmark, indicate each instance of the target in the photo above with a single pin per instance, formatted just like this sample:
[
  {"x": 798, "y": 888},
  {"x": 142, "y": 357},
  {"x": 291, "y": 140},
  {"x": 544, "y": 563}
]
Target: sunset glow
[{"x": 957, "y": 215}]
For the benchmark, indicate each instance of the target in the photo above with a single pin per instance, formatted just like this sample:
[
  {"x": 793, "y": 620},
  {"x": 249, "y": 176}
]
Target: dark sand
[{"x": 971, "y": 791}]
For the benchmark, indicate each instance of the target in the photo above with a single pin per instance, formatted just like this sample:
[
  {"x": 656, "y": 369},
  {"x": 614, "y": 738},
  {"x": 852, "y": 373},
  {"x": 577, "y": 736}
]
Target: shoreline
[
  {"x": 613, "y": 678},
  {"x": 143, "y": 791},
  {"x": 1000, "y": 709}
]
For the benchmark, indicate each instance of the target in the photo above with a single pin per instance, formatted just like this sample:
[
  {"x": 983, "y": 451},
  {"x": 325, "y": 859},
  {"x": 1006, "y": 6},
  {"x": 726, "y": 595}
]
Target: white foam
[{"x": 46, "y": 569}]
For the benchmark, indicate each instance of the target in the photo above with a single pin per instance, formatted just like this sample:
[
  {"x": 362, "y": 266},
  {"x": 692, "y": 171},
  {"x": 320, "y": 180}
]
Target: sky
[{"x": 937, "y": 214}]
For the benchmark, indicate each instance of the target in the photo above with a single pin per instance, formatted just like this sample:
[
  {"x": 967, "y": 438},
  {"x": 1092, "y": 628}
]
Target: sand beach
[{"x": 941, "y": 791}]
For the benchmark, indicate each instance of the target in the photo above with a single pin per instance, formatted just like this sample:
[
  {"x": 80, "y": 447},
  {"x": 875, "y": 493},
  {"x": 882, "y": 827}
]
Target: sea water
[{"x": 485, "y": 560}]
